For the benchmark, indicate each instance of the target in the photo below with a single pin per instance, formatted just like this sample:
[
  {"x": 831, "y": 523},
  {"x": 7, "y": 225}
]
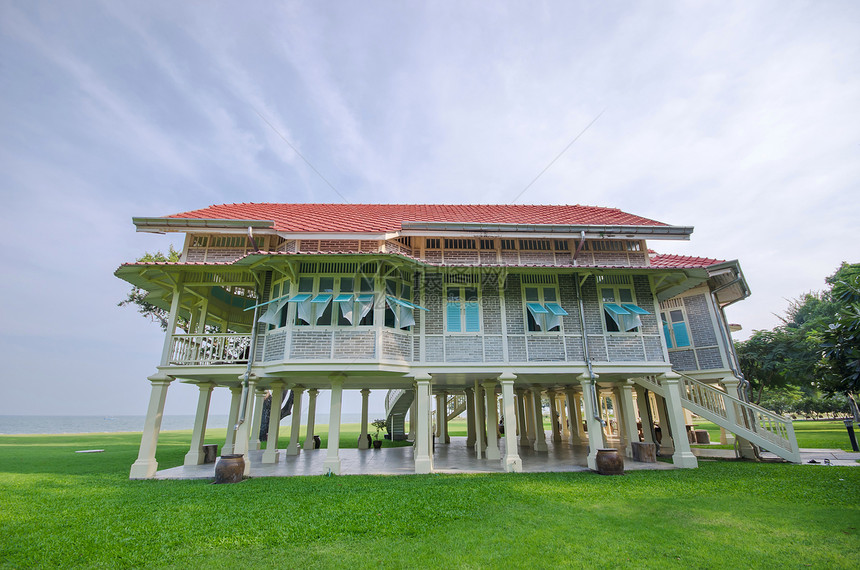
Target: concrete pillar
[
  {"x": 443, "y": 419},
  {"x": 565, "y": 420},
  {"x": 667, "y": 443},
  {"x": 529, "y": 404},
  {"x": 146, "y": 465},
  {"x": 243, "y": 434},
  {"x": 232, "y": 418},
  {"x": 438, "y": 431},
  {"x": 470, "y": 417},
  {"x": 744, "y": 447},
  {"x": 631, "y": 430},
  {"x": 492, "y": 421},
  {"x": 332, "y": 460},
  {"x": 312, "y": 412},
  {"x": 362, "y": 438},
  {"x": 644, "y": 414},
  {"x": 595, "y": 430},
  {"x": 296, "y": 423},
  {"x": 254, "y": 444},
  {"x": 198, "y": 435},
  {"x": 270, "y": 455},
  {"x": 573, "y": 413},
  {"x": 522, "y": 417},
  {"x": 580, "y": 425},
  {"x": 621, "y": 432},
  {"x": 511, "y": 461},
  {"x": 413, "y": 411},
  {"x": 683, "y": 456},
  {"x": 554, "y": 417},
  {"x": 479, "y": 420},
  {"x": 540, "y": 435},
  {"x": 423, "y": 437}
]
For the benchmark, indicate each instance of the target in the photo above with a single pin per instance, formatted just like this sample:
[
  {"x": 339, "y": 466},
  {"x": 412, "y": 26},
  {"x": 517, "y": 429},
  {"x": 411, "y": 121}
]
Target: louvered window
[{"x": 462, "y": 309}]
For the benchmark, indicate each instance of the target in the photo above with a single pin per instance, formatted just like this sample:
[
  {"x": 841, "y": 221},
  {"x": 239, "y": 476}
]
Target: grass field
[{"x": 62, "y": 509}]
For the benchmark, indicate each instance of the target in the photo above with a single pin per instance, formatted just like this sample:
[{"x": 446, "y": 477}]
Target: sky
[{"x": 738, "y": 118}]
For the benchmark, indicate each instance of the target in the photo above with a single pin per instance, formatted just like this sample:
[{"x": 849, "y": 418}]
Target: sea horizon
[{"x": 97, "y": 423}]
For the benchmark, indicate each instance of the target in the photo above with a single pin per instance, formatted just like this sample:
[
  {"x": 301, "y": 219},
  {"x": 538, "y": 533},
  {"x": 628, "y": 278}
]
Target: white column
[
  {"x": 595, "y": 429},
  {"x": 479, "y": 420},
  {"x": 362, "y": 438},
  {"x": 171, "y": 323},
  {"x": 629, "y": 416},
  {"x": 312, "y": 412},
  {"x": 553, "y": 416},
  {"x": 296, "y": 421},
  {"x": 198, "y": 435},
  {"x": 617, "y": 408},
  {"x": 644, "y": 415},
  {"x": 423, "y": 437},
  {"x": 524, "y": 432},
  {"x": 528, "y": 401},
  {"x": 565, "y": 420},
  {"x": 683, "y": 456},
  {"x": 492, "y": 421},
  {"x": 243, "y": 434},
  {"x": 413, "y": 412},
  {"x": 470, "y": 417},
  {"x": 332, "y": 460},
  {"x": 731, "y": 386},
  {"x": 438, "y": 431},
  {"x": 232, "y": 418},
  {"x": 258, "y": 419},
  {"x": 667, "y": 443},
  {"x": 540, "y": 434},
  {"x": 443, "y": 419},
  {"x": 270, "y": 455},
  {"x": 146, "y": 465},
  {"x": 511, "y": 462},
  {"x": 573, "y": 413}
]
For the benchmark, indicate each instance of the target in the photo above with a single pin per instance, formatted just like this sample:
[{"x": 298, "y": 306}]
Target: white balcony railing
[{"x": 207, "y": 349}]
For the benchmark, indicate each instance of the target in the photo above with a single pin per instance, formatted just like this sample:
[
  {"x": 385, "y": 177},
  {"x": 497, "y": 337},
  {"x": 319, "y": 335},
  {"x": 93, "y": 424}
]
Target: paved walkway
[
  {"x": 454, "y": 457},
  {"x": 808, "y": 456}
]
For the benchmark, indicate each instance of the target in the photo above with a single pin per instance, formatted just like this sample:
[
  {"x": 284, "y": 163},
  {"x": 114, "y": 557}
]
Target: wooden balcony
[{"x": 209, "y": 349}]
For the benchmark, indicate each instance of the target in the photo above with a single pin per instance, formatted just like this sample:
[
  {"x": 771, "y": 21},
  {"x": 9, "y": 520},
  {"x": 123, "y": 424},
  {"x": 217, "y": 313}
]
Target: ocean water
[{"x": 10, "y": 425}]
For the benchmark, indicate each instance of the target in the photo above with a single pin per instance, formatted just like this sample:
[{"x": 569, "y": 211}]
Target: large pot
[
  {"x": 377, "y": 444},
  {"x": 230, "y": 469},
  {"x": 610, "y": 462}
]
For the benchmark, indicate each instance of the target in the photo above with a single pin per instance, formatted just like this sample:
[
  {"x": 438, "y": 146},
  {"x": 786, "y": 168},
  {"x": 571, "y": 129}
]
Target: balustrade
[{"x": 210, "y": 349}]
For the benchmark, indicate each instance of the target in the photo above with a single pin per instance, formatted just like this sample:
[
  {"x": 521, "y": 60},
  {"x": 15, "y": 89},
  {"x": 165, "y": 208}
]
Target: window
[
  {"x": 488, "y": 244},
  {"x": 675, "y": 328},
  {"x": 451, "y": 243},
  {"x": 509, "y": 244},
  {"x": 561, "y": 245},
  {"x": 399, "y": 310},
  {"x": 431, "y": 243},
  {"x": 462, "y": 309},
  {"x": 535, "y": 244},
  {"x": 620, "y": 313},
  {"x": 543, "y": 313},
  {"x": 331, "y": 300}
]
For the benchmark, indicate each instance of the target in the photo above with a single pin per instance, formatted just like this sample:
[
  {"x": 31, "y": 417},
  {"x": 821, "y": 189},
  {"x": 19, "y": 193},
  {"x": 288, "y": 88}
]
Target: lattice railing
[{"x": 210, "y": 349}]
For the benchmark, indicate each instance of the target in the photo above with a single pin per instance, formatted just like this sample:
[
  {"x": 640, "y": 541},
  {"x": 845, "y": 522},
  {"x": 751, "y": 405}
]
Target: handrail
[
  {"x": 209, "y": 349},
  {"x": 391, "y": 398},
  {"x": 754, "y": 419}
]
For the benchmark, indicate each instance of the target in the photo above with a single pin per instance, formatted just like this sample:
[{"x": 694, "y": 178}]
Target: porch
[{"x": 454, "y": 457}]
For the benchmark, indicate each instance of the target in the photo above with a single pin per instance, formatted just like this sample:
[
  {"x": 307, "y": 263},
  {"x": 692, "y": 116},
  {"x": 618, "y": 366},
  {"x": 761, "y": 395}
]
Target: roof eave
[
  {"x": 591, "y": 230},
  {"x": 162, "y": 225}
]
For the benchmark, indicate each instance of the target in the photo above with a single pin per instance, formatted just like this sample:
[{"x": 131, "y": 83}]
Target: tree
[
  {"x": 840, "y": 341},
  {"x": 137, "y": 296},
  {"x": 775, "y": 359}
]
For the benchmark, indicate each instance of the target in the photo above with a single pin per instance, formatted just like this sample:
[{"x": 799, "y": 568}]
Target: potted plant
[{"x": 379, "y": 425}]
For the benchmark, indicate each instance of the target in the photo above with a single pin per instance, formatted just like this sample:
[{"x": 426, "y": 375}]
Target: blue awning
[
  {"x": 536, "y": 308},
  {"x": 300, "y": 298},
  {"x": 404, "y": 303},
  {"x": 365, "y": 298},
  {"x": 556, "y": 309},
  {"x": 635, "y": 309},
  {"x": 343, "y": 298},
  {"x": 322, "y": 298},
  {"x": 615, "y": 309}
]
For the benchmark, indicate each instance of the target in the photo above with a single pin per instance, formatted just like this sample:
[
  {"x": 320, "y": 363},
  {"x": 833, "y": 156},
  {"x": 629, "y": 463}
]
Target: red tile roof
[
  {"x": 388, "y": 217},
  {"x": 685, "y": 261}
]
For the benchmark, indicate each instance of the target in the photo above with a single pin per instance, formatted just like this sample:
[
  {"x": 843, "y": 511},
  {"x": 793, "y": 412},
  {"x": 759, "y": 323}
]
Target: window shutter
[
  {"x": 473, "y": 318},
  {"x": 681, "y": 336},
  {"x": 453, "y": 314}
]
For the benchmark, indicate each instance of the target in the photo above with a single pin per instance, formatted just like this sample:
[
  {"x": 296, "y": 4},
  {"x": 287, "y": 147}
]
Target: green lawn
[
  {"x": 62, "y": 509},
  {"x": 810, "y": 434}
]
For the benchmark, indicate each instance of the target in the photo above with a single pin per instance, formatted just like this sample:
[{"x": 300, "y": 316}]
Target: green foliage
[
  {"x": 380, "y": 425},
  {"x": 62, "y": 509},
  {"x": 137, "y": 297},
  {"x": 841, "y": 339}
]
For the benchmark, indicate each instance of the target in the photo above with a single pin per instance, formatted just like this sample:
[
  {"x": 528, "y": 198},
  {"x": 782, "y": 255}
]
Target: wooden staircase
[{"x": 753, "y": 423}]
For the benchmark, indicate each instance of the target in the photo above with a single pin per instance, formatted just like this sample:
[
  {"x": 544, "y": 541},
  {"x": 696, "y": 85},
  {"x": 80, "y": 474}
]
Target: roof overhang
[
  {"x": 727, "y": 282},
  {"x": 162, "y": 225},
  {"x": 553, "y": 230}
]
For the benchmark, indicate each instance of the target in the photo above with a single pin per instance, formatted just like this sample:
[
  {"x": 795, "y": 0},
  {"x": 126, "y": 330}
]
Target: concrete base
[
  {"x": 144, "y": 469},
  {"x": 331, "y": 466},
  {"x": 685, "y": 460},
  {"x": 512, "y": 464}
]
